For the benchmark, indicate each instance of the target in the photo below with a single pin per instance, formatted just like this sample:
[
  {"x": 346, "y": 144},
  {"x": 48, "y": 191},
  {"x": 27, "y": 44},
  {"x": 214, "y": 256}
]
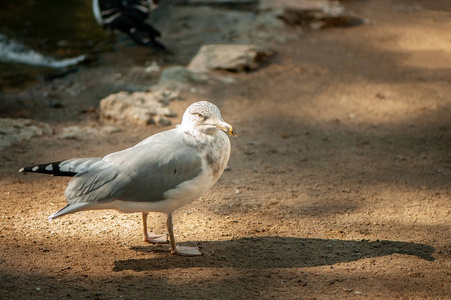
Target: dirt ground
[{"x": 339, "y": 180}]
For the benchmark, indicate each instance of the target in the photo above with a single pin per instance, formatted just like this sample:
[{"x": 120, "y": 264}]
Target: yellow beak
[
  {"x": 227, "y": 128},
  {"x": 232, "y": 131}
]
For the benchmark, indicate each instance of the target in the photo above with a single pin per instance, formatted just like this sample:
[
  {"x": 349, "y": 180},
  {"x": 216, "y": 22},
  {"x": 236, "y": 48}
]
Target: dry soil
[{"x": 339, "y": 180}]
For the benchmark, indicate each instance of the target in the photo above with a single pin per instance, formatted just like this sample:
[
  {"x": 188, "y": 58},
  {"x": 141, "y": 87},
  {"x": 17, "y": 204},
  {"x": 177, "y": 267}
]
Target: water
[
  {"x": 12, "y": 51},
  {"x": 38, "y": 35}
]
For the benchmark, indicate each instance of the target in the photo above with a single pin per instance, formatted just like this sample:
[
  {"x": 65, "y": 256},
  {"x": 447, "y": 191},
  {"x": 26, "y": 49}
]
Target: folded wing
[{"x": 142, "y": 173}]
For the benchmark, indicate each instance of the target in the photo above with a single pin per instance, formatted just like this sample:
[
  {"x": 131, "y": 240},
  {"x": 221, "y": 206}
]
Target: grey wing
[
  {"x": 100, "y": 181},
  {"x": 142, "y": 173},
  {"x": 157, "y": 167},
  {"x": 78, "y": 165}
]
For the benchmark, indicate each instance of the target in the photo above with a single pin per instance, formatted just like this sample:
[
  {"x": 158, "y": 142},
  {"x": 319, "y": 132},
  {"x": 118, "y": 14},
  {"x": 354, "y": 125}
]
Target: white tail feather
[{"x": 70, "y": 209}]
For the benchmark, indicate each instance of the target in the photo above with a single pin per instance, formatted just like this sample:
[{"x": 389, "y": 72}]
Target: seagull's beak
[
  {"x": 232, "y": 131},
  {"x": 227, "y": 128}
]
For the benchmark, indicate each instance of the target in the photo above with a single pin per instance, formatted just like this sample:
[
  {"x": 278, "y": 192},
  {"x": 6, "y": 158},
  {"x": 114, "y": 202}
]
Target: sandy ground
[{"x": 339, "y": 181}]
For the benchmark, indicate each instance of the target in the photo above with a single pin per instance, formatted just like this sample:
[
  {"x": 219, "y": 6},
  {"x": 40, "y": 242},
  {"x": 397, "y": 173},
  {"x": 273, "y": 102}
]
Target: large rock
[
  {"x": 141, "y": 108},
  {"x": 229, "y": 57},
  {"x": 16, "y": 130}
]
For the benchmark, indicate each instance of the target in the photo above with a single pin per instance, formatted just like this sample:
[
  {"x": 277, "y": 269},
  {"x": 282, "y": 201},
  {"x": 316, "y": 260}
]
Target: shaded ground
[{"x": 339, "y": 181}]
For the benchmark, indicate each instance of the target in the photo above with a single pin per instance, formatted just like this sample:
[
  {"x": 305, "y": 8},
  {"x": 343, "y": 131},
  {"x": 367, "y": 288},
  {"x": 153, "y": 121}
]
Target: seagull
[
  {"x": 129, "y": 17},
  {"x": 162, "y": 173}
]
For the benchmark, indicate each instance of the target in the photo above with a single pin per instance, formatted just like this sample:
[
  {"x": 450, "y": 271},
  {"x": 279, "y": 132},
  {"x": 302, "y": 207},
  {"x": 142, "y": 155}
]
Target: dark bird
[{"x": 129, "y": 17}]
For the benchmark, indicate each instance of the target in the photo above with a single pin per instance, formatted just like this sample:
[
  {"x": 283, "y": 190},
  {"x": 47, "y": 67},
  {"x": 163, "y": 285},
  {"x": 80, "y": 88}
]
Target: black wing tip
[
  {"x": 57, "y": 214},
  {"x": 49, "y": 168}
]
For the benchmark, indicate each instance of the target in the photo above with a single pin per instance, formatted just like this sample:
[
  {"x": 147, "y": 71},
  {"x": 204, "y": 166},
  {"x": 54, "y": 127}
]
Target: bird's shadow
[{"x": 274, "y": 252}]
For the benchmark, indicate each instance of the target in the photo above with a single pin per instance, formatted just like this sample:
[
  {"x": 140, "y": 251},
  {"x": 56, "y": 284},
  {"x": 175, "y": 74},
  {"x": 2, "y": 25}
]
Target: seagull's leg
[
  {"x": 179, "y": 250},
  {"x": 151, "y": 237}
]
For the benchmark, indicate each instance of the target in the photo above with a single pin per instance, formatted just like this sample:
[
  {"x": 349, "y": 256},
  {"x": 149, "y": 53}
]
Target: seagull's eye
[{"x": 200, "y": 116}]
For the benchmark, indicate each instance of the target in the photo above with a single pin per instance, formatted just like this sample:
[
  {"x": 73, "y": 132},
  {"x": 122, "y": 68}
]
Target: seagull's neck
[
  {"x": 211, "y": 131},
  {"x": 195, "y": 137}
]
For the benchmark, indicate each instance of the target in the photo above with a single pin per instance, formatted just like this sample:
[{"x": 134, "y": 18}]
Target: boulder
[
  {"x": 144, "y": 108},
  {"x": 141, "y": 108}
]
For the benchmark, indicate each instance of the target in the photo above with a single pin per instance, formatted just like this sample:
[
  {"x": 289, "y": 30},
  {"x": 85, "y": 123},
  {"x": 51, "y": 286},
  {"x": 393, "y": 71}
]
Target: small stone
[
  {"x": 153, "y": 68},
  {"x": 109, "y": 130},
  {"x": 55, "y": 104},
  {"x": 285, "y": 135}
]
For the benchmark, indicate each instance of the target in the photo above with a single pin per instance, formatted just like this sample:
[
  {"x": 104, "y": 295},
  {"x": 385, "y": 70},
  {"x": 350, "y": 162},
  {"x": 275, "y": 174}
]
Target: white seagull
[{"x": 160, "y": 174}]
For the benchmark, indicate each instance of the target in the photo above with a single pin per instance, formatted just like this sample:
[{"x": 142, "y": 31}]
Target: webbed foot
[
  {"x": 156, "y": 238},
  {"x": 186, "y": 251}
]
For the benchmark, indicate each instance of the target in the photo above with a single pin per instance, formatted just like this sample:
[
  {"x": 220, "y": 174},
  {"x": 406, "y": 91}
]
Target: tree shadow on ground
[{"x": 276, "y": 252}]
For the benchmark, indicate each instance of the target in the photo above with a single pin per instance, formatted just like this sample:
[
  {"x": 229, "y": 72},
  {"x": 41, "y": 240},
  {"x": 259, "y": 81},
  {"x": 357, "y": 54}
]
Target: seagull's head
[{"x": 205, "y": 117}]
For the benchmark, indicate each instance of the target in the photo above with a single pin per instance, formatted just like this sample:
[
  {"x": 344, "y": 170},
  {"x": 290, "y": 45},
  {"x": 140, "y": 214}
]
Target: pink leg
[
  {"x": 179, "y": 250},
  {"x": 151, "y": 237}
]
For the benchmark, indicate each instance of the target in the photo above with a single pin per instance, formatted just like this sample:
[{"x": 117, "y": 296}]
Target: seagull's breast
[
  {"x": 218, "y": 154},
  {"x": 215, "y": 160},
  {"x": 215, "y": 152}
]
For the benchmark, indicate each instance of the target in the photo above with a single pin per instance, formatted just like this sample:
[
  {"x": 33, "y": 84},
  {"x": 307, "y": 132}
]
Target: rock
[
  {"x": 16, "y": 130},
  {"x": 153, "y": 68},
  {"x": 139, "y": 108},
  {"x": 143, "y": 108},
  {"x": 226, "y": 80},
  {"x": 163, "y": 93},
  {"x": 162, "y": 120},
  {"x": 109, "y": 129},
  {"x": 78, "y": 133},
  {"x": 315, "y": 14},
  {"x": 55, "y": 104},
  {"x": 230, "y": 57}
]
